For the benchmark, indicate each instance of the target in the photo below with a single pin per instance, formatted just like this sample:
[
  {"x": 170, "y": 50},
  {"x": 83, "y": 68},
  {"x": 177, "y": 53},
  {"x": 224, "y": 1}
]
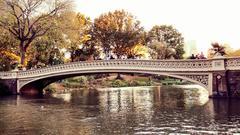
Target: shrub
[
  {"x": 140, "y": 83},
  {"x": 119, "y": 83},
  {"x": 50, "y": 89}
]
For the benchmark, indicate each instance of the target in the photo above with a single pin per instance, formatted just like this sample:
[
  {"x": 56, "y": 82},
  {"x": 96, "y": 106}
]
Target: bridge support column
[
  {"x": 220, "y": 78},
  {"x": 234, "y": 83},
  {"x": 220, "y": 84}
]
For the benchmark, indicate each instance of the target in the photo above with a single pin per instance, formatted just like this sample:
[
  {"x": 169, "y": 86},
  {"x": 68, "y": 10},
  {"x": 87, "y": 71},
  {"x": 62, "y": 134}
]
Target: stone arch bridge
[{"x": 219, "y": 76}]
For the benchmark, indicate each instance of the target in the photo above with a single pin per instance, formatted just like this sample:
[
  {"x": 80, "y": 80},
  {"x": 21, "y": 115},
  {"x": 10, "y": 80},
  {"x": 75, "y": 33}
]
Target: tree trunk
[
  {"x": 22, "y": 57},
  {"x": 22, "y": 53},
  {"x": 119, "y": 75}
]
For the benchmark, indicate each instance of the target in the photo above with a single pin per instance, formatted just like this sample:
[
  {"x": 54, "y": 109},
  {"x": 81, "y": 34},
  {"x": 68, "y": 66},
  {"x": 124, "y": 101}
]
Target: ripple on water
[{"x": 143, "y": 111}]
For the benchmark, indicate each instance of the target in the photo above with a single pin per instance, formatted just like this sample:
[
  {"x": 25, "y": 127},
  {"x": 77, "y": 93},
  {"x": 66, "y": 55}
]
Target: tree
[
  {"x": 216, "y": 50},
  {"x": 118, "y": 32},
  {"x": 7, "y": 41},
  {"x": 70, "y": 34},
  {"x": 8, "y": 61},
  {"x": 167, "y": 36},
  {"x": 222, "y": 50},
  {"x": 230, "y": 52},
  {"x": 27, "y": 20},
  {"x": 87, "y": 51},
  {"x": 7, "y": 50},
  {"x": 235, "y": 53},
  {"x": 77, "y": 29},
  {"x": 158, "y": 50},
  {"x": 39, "y": 53},
  {"x": 45, "y": 49}
]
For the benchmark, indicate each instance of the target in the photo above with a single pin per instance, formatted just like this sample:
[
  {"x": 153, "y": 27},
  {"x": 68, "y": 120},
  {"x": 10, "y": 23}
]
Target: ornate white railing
[
  {"x": 12, "y": 74},
  {"x": 153, "y": 65},
  {"x": 232, "y": 63},
  {"x": 204, "y": 65}
]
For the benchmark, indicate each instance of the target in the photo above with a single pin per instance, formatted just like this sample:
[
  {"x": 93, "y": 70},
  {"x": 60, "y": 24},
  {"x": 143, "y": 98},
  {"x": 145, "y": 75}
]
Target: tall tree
[
  {"x": 30, "y": 19},
  {"x": 118, "y": 32},
  {"x": 169, "y": 37}
]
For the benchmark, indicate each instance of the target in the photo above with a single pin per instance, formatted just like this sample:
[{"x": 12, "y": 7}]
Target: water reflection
[{"x": 143, "y": 110}]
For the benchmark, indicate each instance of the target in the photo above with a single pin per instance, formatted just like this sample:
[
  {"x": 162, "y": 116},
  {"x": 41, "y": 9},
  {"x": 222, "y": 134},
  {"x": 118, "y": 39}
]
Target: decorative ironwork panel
[
  {"x": 233, "y": 63},
  {"x": 199, "y": 78},
  {"x": 154, "y": 65}
]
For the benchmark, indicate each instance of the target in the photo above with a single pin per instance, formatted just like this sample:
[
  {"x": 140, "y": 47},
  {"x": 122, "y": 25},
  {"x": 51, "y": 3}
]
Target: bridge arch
[
  {"x": 205, "y": 72},
  {"x": 42, "y": 81}
]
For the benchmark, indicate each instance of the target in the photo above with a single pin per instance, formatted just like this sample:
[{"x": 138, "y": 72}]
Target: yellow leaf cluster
[
  {"x": 85, "y": 38},
  {"x": 140, "y": 50},
  {"x": 235, "y": 53},
  {"x": 12, "y": 56},
  {"x": 115, "y": 21}
]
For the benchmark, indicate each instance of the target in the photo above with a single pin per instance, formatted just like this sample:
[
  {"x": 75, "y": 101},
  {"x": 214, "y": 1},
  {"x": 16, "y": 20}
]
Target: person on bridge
[{"x": 192, "y": 57}]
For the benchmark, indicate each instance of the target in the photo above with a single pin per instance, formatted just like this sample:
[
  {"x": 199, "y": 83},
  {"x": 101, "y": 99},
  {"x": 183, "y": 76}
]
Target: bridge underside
[{"x": 36, "y": 84}]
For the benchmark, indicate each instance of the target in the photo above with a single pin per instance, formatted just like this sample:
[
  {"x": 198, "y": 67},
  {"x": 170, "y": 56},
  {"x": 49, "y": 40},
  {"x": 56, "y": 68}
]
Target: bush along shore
[
  {"x": 106, "y": 81},
  {"x": 110, "y": 81}
]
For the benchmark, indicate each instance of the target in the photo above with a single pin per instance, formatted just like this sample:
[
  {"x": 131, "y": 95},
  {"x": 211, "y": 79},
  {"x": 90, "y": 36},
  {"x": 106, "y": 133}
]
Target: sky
[{"x": 203, "y": 21}]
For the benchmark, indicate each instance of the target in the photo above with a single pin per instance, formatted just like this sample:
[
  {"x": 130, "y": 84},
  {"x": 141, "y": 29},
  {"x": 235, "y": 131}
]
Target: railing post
[
  {"x": 218, "y": 64},
  {"x": 220, "y": 77}
]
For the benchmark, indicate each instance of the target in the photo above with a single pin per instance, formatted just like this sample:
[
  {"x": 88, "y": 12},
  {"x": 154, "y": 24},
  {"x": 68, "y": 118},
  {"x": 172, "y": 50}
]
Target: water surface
[{"x": 139, "y": 110}]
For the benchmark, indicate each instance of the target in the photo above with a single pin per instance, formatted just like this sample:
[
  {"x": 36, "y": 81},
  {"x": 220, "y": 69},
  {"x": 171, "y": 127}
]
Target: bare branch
[{"x": 29, "y": 19}]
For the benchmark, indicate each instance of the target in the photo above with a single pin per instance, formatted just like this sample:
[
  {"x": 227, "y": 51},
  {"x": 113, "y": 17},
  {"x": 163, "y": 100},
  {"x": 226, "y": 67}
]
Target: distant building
[{"x": 190, "y": 48}]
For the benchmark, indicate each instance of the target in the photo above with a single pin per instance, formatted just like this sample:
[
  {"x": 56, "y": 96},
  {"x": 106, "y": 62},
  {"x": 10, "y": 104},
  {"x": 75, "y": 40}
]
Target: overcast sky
[{"x": 204, "y": 21}]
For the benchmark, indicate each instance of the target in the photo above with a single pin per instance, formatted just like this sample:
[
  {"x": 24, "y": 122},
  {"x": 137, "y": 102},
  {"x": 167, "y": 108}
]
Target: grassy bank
[{"x": 110, "y": 80}]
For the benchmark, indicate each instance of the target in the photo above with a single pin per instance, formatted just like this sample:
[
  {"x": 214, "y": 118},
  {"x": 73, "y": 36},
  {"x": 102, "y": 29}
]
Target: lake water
[{"x": 139, "y": 110}]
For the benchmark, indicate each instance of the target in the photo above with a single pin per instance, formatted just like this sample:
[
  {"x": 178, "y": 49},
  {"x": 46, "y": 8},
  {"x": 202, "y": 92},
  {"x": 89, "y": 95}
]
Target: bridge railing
[
  {"x": 12, "y": 74},
  {"x": 203, "y": 65},
  {"x": 233, "y": 63},
  {"x": 160, "y": 65}
]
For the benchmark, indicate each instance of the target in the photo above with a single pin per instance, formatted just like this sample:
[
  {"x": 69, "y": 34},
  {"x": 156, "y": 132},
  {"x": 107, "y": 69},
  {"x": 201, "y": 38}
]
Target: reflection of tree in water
[
  {"x": 122, "y": 108},
  {"x": 226, "y": 108},
  {"x": 85, "y": 97},
  {"x": 3, "y": 123},
  {"x": 116, "y": 111},
  {"x": 172, "y": 97}
]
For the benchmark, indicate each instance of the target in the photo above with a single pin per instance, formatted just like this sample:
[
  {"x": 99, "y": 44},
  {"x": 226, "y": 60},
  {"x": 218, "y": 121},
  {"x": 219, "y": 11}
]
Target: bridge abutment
[
  {"x": 234, "y": 83},
  {"x": 8, "y": 87},
  {"x": 219, "y": 78},
  {"x": 220, "y": 85}
]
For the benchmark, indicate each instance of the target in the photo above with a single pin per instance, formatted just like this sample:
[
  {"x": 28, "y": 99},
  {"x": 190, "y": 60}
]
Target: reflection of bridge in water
[{"x": 212, "y": 74}]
